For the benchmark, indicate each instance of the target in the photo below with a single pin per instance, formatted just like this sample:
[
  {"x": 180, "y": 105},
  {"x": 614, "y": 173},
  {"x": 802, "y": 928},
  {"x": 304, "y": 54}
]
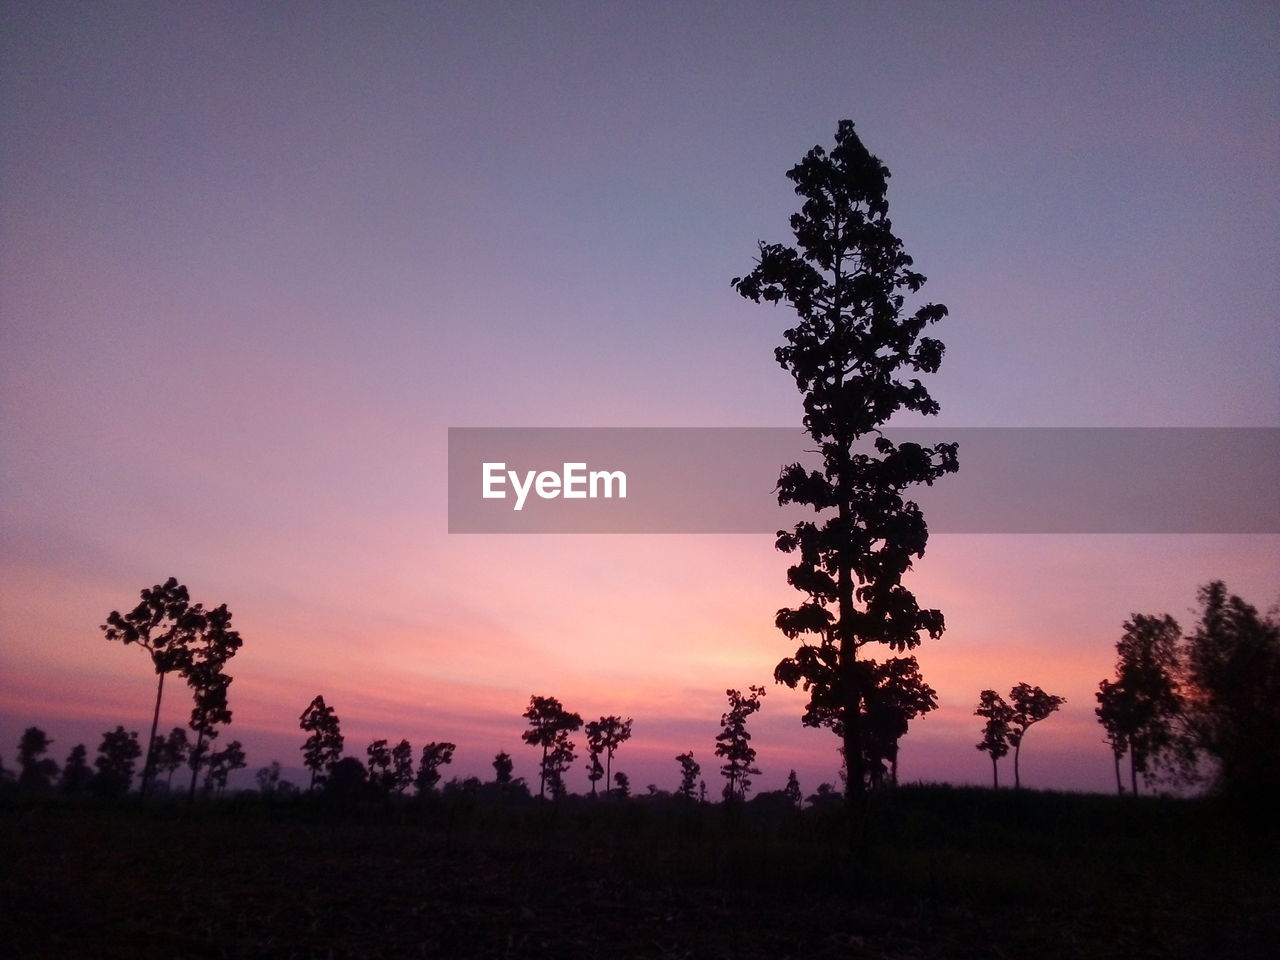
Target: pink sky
[{"x": 254, "y": 263}]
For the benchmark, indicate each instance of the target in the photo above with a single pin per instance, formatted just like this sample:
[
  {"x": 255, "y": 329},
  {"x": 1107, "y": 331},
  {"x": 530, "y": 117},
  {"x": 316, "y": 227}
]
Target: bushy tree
[
  {"x": 434, "y": 756},
  {"x": 503, "y": 766},
  {"x": 549, "y": 728},
  {"x": 323, "y": 748},
  {"x": 268, "y": 779},
  {"x": 117, "y": 755},
  {"x": 1141, "y": 710},
  {"x": 897, "y": 696},
  {"x": 621, "y": 785},
  {"x": 209, "y": 712},
  {"x": 1232, "y": 681},
  {"x": 852, "y": 353},
  {"x": 733, "y": 743},
  {"x": 76, "y": 775},
  {"x": 36, "y": 772},
  {"x": 401, "y": 766}
]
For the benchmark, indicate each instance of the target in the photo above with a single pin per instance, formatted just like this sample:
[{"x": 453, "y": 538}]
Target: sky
[{"x": 255, "y": 260}]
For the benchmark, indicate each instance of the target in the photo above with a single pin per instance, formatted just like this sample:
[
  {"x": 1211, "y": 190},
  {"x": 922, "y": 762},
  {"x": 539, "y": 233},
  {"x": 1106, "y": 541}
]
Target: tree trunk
[
  {"x": 1119, "y": 785},
  {"x": 149, "y": 766},
  {"x": 995, "y": 773},
  {"x": 1017, "y": 781},
  {"x": 1133, "y": 771}
]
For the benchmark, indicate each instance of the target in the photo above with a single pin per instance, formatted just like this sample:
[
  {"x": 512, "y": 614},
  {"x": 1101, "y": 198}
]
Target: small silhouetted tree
[
  {"x": 733, "y": 743},
  {"x": 792, "y": 790},
  {"x": 604, "y": 736},
  {"x": 503, "y": 766},
  {"x": 117, "y": 755},
  {"x": 690, "y": 769},
  {"x": 434, "y": 756},
  {"x": 221, "y": 764},
  {"x": 268, "y": 778},
  {"x": 401, "y": 766},
  {"x": 171, "y": 752},
  {"x": 1030, "y": 706},
  {"x": 1113, "y": 712},
  {"x": 995, "y": 733},
  {"x": 36, "y": 772},
  {"x": 549, "y": 728},
  {"x": 323, "y": 748},
  {"x": 379, "y": 765},
  {"x": 622, "y": 785},
  {"x": 1232, "y": 683},
  {"x": 76, "y": 775},
  {"x": 897, "y": 696},
  {"x": 854, "y": 354}
]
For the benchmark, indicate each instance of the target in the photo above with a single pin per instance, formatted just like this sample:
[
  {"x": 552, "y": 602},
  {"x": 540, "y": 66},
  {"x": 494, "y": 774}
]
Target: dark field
[{"x": 951, "y": 873}]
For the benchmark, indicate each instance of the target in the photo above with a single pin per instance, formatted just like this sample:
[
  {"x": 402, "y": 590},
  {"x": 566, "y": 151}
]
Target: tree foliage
[
  {"x": 852, "y": 353},
  {"x": 733, "y": 743},
  {"x": 604, "y": 736}
]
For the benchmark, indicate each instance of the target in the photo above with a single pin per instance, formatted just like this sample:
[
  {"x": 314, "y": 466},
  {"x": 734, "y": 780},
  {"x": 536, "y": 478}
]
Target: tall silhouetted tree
[
  {"x": 401, "y": 766},
  {"x": 690, "y": 769},
  {"x": 1030, "y": 706},
  {"x": 1141, "y": 710},
  {"x": 35, "y": 771},
  {"x": 434, "y": 756},
  {"x": 851, "y": 353},
  {"x": 549, "y": 728},
  {"x": 76, "y": 775},
  {"x": 1232, "y": 680},
  {"x": 995, "y": 733},
  {"x": 117, "y": 756},
  {"x": 164, "y": 624},
  {"x": 733, "y": 743},
  {"x": 323, "y": 748}
]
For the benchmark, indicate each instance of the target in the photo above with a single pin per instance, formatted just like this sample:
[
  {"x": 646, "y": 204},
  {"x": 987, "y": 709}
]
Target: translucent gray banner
[{"x": 721, "y": 480}]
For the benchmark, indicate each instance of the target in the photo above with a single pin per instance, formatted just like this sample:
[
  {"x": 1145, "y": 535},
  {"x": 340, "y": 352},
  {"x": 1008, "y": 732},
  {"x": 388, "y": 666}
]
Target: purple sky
[{"x": 255, "y": 260}]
